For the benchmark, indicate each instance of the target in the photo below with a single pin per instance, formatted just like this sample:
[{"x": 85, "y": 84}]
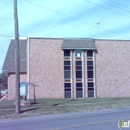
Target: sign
[
  {"x": 123, "y": 124},
  {"x": 23, "y": 89}
]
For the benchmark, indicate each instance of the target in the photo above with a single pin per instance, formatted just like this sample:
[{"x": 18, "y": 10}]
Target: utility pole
[{"x": 17, "y": 78}]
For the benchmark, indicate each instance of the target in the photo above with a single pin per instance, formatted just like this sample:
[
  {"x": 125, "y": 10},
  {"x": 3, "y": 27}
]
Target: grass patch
[{"x": 56, "y": 106}]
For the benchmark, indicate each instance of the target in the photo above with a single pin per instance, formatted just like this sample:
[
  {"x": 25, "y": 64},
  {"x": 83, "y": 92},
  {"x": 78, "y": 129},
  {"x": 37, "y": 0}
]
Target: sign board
[{"x": 23, "y": 89}]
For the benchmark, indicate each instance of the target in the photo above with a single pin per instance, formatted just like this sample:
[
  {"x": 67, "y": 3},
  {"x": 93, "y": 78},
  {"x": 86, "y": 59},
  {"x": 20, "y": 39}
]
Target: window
[
  {"x": 78, "y": 53},
  {"x": 90, "y": 73},
  {"x": 67, "y": 63},
  {"x": 89, "y": 53},
  {"x": 90, "y": 63},
  {"x": 78, "y": 74},
  {"x": 67, "y": 53},
  {"x": 78, "y": 63},
  {"x": 67, "y": 85},
  {"x": 67, "y": 74},
  {"x": 66, "y": 67},
  {"x": 79, "y": 84}
]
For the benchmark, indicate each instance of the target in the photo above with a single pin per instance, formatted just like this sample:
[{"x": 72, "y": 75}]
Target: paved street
[{"x": 95, "y": 120}]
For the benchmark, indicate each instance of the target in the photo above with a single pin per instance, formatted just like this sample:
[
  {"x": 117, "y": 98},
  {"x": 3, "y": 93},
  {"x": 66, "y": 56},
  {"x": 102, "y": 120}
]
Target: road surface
[{"x": 95, "y": 120}]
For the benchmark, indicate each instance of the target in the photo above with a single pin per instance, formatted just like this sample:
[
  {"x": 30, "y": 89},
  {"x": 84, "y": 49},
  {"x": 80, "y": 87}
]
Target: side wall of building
[
  {"x": 46, "y": 68},
  {"x": 11, "y": 84},
  {"x": 112, "y": 68}
]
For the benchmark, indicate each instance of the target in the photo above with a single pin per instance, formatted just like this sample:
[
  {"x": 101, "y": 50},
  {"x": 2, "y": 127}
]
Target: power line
[
  {"x": 119, "y": 4},
  {"x": 2, "y": 35},
  {"x": 5, "y": 5},
  {"x": 115, "y": 5},
  {"x": 74, "y": 18},
  {"x": 58, "y": 13},
  {"x": 107, "y": 9}
]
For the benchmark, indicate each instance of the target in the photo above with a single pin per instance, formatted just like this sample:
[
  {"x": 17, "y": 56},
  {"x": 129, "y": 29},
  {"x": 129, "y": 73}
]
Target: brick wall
[
  {"x": 112, "y": 68},
  {"x": 11, "y": 84},
  {"x": 46, "y": 68}
]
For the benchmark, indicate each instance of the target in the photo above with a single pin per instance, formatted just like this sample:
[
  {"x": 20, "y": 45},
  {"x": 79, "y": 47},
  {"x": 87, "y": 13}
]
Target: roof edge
[
  {"x": 20, "y": 38},
  {"x": 44, "y": 38},
  {"x": 112, "y": 39}
]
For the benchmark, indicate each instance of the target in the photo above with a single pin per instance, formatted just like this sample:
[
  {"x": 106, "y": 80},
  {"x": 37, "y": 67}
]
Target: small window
[
  {"x": 90, "y": 53},
  {"x": 79, "y": 94},
  {"x": 79, "y": 85},
  {"x": 67, "y": 74},
  {"x": 67, "y": 85},
  {"x": 90, "y": 89},
  {"x": 67, "y": 94},
  {"x": 78, "y": 67},
  {"x": 78, "y": 53},
  {"x": 90, "y": 85},
  {"x": 66, "y": 62},
  {"x": 91, "y": 94},
  {"x": 90, "y": 67},
  {"x": 90, "y": 74},
  {"x": 79, "y": 89},
  {"x": 66, "y": 67},
  {"x": 67, "y": 89},
  {"x": 78, "y": 74},
  {"x": 78, "y": 62},
  {"x": 66, "y": 52},
  {"x": 90, "y": 62}
]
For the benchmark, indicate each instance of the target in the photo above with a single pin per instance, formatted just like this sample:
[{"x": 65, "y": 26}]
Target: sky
[{"x": 98, "y": 19}]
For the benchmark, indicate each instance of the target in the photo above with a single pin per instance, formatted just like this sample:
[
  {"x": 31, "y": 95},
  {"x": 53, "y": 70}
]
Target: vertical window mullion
[
  {"x": 90, "y": 73},
  {"x": 67, "y": 73},
  {"x": 79, "y": 73}
]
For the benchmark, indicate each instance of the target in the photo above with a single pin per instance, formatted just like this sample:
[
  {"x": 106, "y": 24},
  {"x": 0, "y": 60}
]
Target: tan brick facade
[
  {"x": 11, "y": 84},
  {"x": 112, "y": 68},
  {"x": 45, "y": 69}
]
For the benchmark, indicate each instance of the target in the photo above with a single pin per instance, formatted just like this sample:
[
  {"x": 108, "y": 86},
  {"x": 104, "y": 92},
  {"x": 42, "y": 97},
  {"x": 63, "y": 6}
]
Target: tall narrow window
[
  {"x": 67, "y": 73},
  {"x": 90, "y": 72},
  {"x": 79, "y": 84}
]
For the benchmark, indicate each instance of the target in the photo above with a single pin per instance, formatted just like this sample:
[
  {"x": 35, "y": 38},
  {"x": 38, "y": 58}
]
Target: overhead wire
[
  {"x": 2, "y": 35},
  {"x": 107, "y": 8},
  {"x": 114, "y": 5},
  {"x": 74, "y": 18},
  {"x": 5, "y": 5},
  {"x": 58, "y": 12},
  {"x": 119, "y": 4}
]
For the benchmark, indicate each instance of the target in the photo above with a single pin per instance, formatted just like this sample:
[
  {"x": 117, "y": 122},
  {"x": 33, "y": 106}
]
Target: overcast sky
[{"x": 64, "y": 18}]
